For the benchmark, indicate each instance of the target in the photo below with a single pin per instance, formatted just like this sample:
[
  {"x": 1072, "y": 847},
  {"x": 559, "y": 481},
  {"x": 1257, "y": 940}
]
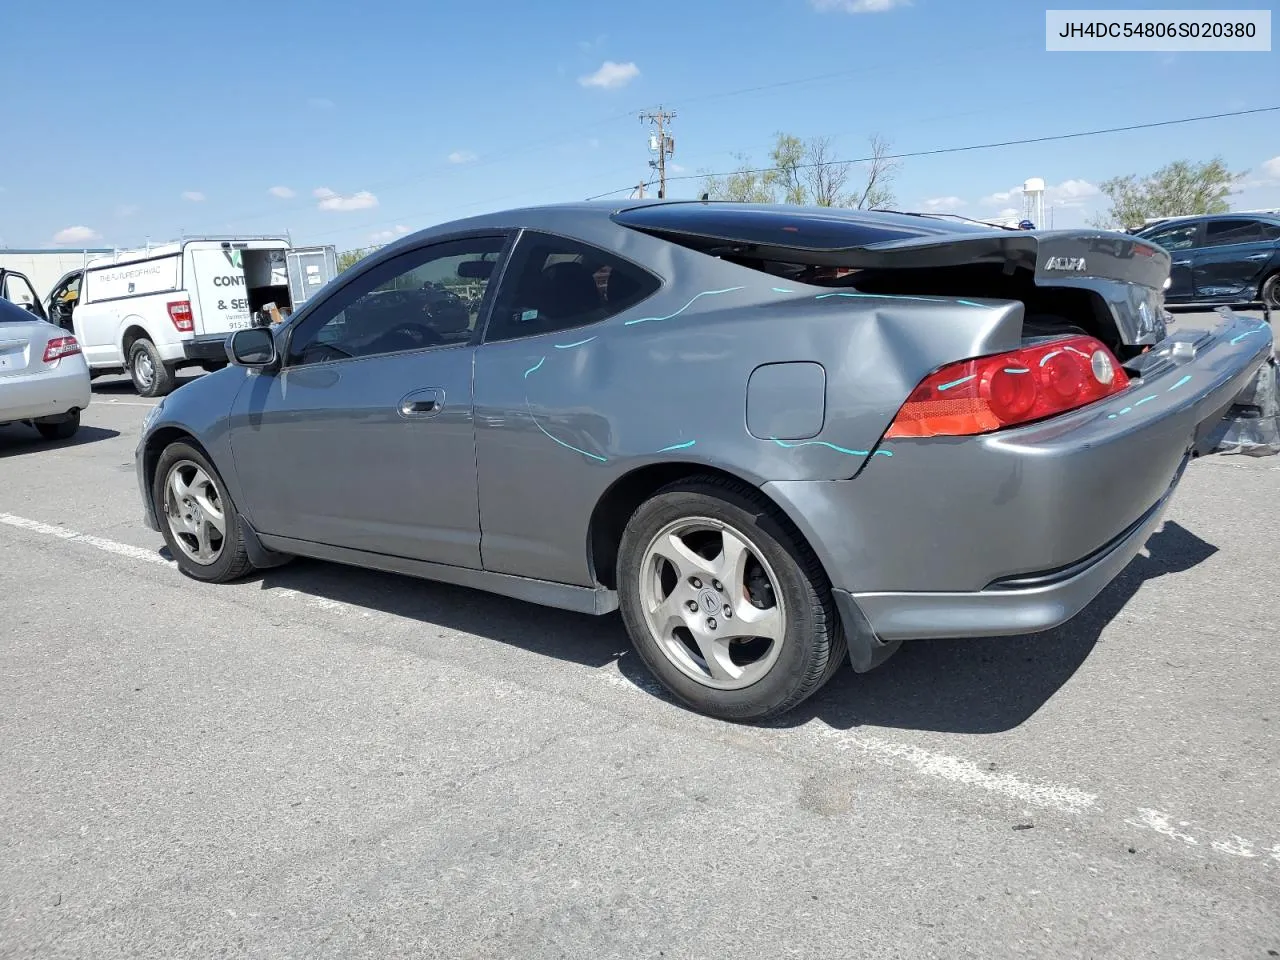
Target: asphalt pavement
[{"x": 326, "y": 762}]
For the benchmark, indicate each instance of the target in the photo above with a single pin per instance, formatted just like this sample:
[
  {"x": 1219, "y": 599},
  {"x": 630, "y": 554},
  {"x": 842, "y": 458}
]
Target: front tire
[
  {"x": 1270, "y": 293},
  {"x": 198, "y": 519},
  {"x": 150, "y": 375},
  {"x": 725, "y": 602},
  {"x": 62, "y": 429}
]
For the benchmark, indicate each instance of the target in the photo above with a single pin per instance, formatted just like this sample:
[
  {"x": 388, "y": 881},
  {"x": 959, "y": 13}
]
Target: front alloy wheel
[{"x": 193, "y": 509}]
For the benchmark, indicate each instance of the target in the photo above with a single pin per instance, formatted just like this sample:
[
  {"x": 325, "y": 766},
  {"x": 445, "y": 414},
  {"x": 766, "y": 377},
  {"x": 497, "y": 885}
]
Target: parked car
[
  {"x": 43, "y": 377},
  {"x": 153, "y": 312},
  {"x": 964, "y": 431},
  {"x": 1229, "y": 258}
]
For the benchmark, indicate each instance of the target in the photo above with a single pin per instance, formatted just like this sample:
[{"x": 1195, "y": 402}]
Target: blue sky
[{"x": 347, "y": 122}]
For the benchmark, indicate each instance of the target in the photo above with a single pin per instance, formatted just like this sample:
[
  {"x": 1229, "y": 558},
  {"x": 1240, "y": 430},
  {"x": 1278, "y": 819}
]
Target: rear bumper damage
[{"x": 1017, "y": 532}]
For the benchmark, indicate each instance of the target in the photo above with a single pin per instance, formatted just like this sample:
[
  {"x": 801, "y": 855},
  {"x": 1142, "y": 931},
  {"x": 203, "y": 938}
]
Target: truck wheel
[
  {"x": 725, "y": 602},
  {"x": 151, "y": 377}
]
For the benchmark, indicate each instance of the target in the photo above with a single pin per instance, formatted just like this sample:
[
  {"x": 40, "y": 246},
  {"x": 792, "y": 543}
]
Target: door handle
[
  {"x": 1259, "y": 256},
  {"x": 422, "y": 403},
  {"x": 1181, "y": 263}
]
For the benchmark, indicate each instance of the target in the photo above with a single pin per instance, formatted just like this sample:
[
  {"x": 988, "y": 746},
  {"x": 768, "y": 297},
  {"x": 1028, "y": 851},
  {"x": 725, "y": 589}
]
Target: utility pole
[{"x": 661, "y": 143}]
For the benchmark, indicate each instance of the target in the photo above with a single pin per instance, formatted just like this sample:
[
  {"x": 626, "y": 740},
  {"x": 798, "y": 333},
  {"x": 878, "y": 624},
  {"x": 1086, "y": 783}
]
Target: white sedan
[{"x": 44, "y": 379}]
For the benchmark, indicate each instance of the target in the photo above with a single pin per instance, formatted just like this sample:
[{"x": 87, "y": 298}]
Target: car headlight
[{"x": 151, "y": 416}]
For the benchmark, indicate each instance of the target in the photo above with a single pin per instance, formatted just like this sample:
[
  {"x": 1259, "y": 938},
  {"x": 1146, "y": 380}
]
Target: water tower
[{"x": 1033, "y": 201}]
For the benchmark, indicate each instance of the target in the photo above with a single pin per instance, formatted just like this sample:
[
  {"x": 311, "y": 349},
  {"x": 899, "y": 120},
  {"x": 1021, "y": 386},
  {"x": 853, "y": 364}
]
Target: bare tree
[
  {"x": 825, "y": 176},
  {"x": 881, "y": 170},
  {"x": 807, "y": 172}
]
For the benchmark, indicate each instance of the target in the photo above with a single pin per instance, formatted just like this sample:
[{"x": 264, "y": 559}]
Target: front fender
[{"x": 198, "y": 410}]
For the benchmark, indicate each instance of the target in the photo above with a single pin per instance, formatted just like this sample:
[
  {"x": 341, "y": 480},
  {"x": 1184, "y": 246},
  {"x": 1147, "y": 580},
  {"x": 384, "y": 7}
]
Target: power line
[{"x": 977, "y": 146}]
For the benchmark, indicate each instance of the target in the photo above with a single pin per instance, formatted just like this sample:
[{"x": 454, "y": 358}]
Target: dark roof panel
[{"x": 777, "y": 225}]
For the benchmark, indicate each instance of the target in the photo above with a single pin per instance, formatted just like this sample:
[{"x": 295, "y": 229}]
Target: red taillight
[
  {"x": 59, "y": 347},
  {"x": 180, "y": 314},
  {"x": 991, "y": 393}
]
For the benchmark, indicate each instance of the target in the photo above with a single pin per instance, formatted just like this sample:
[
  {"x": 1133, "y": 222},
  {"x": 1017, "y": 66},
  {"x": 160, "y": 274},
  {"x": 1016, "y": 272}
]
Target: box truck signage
[
  {"x": 133, "y": 279},
  {"x": 220, "y": 285}
]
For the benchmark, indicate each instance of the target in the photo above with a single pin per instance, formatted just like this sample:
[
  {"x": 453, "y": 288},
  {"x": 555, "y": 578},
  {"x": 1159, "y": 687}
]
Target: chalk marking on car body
[{"x": 669, "y": 316}]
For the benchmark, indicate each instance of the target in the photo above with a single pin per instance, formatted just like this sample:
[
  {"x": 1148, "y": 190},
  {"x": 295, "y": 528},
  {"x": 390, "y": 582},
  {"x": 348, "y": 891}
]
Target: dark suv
[{"x": 1222, "y": 258}]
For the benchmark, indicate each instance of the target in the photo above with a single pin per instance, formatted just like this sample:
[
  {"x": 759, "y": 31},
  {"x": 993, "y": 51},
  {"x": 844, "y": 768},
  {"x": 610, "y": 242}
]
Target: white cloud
[
  {"x": 1272, "y": 168},
  {"x": 76, "y": 235},
  {"x": 611, "y": 75},
  {"x": 284, "y": 193},
  {"x": 127, "y": 210},
  {"x": 462, "y": 156},
  {"x": 195, "y": 196},
  {"x": 1070, "y": 193},
  {"x": 1008, "y": 213},
  {"x": 593, "y": 44},
  {"x": 938, "y": 204},
  {"x": 858, "y": 6},
  {"x": 675, "y": 168},
  {"x": 1003, "y": 197},
  {"x": 329, "y": 200},
  {"x": 384, "y": 236}
]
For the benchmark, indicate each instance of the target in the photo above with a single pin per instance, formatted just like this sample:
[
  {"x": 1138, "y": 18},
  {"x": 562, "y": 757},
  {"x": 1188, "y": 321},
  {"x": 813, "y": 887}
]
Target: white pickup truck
[{"x": 151, "y": 312}]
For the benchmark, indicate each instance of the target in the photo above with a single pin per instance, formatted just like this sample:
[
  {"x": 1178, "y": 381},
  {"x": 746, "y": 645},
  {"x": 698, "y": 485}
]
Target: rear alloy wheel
[
  {"x": 1271, "y": 291},
  {"x": 151, "y": 377},
  {"x": 61, "y": 429},
  {"x": 725, "y": 603},
  {"x": 198, "y": 520}
]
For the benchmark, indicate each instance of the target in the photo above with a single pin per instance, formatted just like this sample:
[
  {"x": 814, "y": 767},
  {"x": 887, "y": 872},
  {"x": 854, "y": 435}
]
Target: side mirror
[{"x": 255, "y": 347}]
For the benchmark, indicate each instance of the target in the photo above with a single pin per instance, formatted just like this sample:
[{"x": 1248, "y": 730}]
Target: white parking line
[{"x": 1065, "y": 799}]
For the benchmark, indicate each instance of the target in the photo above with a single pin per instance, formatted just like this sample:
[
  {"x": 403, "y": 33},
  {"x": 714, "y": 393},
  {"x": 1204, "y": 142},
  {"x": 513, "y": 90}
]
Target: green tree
[
  {"x": 1181, "y": 188},
  {"x": 744, "y": 185},
  {"x": 349, "y": 258}
]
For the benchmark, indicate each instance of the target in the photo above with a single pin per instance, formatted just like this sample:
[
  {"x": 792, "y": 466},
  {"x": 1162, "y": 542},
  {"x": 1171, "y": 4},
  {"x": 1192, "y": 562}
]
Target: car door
[
  {"x": 62, "y": 301},
  {"x": 17, "y": 290},
  {"x": 364, "y": 437},
  {"x": 540, "y": 438},
  {"x": 1180, "y": 240},
  {"x": 1229, "y": 263}
]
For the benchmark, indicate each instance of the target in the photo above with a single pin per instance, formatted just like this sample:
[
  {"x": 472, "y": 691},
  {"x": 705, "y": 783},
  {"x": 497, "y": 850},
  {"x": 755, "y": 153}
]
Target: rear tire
[
  {"x": 762, "y": 576},
  {"x": 188, "y": 520},
  {"x": 150, "y": 375},
  {"x": 61, "y": 430}
]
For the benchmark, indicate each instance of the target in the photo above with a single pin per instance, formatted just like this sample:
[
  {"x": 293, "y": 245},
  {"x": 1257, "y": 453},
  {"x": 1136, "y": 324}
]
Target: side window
[
  {"x": 556, "y": 284},
  {"x": 428, "y": 297},
  {"x": 1270, "y": 231},
  {"x": 1219, "y": 233},
  {"x": 1174, "y": 238}
]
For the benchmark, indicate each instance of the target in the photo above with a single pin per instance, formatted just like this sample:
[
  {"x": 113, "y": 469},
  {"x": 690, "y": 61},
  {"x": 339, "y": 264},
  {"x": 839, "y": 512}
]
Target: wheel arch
[
  {"x": 131, "y": 331},
  {"x": 619, "y": 502},
  {"x": 163, "y": 437}
]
